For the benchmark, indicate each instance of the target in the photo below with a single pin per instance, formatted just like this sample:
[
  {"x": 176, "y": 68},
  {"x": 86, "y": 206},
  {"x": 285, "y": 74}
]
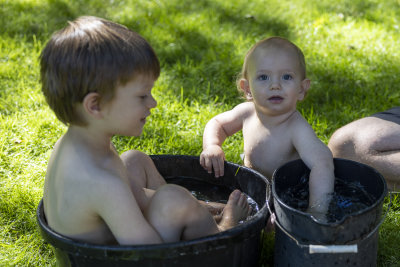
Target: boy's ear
[
  {"x": 305, "y": 85},
  {"x": 245, "y": 86},
  {"x": 91, "y": 104}
]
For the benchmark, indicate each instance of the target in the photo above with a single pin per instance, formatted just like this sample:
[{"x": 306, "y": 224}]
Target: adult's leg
[
  {"x": 372, "y": 141},
  {"x": 177, "y": 215}
]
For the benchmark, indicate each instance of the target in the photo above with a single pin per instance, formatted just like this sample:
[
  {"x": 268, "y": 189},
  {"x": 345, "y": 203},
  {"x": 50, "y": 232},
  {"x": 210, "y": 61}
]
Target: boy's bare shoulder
[
  {"x": 104, "y": 177},
  {"x": 77, "y": 172}
]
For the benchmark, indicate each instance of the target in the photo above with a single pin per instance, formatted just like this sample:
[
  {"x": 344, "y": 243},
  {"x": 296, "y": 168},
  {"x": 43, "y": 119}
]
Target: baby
[
  {"x": 273, "y": 79},
  {"x": 97, "y": 76}
]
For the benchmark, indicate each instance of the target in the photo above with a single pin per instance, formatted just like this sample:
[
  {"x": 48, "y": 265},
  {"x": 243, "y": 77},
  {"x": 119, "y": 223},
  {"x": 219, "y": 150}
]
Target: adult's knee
[{"x": 342, "y": 143}]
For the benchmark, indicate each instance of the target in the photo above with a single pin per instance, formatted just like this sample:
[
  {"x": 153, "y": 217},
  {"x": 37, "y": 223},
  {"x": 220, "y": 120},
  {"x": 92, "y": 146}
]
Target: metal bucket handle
[{"x": 312, "y": 249}]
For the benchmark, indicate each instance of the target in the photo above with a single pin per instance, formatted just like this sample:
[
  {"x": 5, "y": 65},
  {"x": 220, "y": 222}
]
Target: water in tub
[
  {"x": 348, "y": 198},
  {"x": 209, "y": 192}
]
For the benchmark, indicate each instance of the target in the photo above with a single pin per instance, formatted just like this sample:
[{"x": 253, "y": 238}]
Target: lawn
[{"x": 352, "y": 53}]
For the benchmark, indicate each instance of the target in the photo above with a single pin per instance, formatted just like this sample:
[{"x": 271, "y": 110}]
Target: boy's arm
[
  {"x": 317, "y": 156},
  {"x": 115, "y": 204},
  {"x": 215, "y": 133}
]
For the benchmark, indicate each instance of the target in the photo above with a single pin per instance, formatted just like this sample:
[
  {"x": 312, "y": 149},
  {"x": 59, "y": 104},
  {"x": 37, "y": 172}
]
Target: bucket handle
[{"x": 312, "y": 249}]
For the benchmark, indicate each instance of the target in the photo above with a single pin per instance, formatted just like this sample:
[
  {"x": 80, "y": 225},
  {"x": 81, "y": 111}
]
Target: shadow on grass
[
  {"x": 39, "y": 18},
  {"x": 198, "y": 63},
  {"x": 206, "y": 66},
  {"x": 342, "y": 94}
]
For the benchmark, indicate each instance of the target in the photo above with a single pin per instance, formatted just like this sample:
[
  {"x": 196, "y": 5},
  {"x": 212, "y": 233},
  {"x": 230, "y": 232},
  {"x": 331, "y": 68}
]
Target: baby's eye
[
  {"x": 263, "y": 77},
  {"x": 287, "y": 77}
]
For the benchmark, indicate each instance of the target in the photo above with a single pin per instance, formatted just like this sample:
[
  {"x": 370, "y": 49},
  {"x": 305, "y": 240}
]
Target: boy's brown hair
[
  {"x": 271, "y": 42},
  {"x": 91, "y": 55}
]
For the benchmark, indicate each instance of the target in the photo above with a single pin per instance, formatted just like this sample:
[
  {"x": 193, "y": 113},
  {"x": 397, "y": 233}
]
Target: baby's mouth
[{"x": 275, "y": 98}]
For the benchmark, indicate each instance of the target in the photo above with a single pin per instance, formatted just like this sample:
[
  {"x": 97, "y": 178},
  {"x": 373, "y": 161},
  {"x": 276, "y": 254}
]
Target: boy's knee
[
  {"x": 173, "y": 200},
  {"x": 173, "y": 193},
  {"x": 135, "y": 157}
]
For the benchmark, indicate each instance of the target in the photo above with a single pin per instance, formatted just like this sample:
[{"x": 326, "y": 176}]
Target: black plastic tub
[
  {"x": 239, "y": 246},
  {"x": 301, "y": 240}
]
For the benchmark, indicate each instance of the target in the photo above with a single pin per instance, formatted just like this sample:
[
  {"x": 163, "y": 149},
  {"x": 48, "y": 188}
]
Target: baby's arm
[
  {"x": 317, "y": 156},
  {"x": 215, "y": 133},
  {"x": 115, "y": 204}
]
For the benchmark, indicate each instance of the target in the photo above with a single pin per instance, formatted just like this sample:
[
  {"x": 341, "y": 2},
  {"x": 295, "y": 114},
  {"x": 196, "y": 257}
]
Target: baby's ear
[
  {"x": 305, "y": 85},
  {"x": 245, "y": 86},
  {"x": 91, "y": 104}
]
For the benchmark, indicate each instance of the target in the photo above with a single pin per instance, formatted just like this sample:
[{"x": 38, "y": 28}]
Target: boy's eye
[
  {"x": 287, "y": 77},
  {"x": 263, "y": 77}
]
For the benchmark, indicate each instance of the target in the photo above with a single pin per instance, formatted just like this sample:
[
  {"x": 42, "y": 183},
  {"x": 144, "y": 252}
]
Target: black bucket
[
  {"x": 239, "y": 246},
  {"x": 301, "y": 240}
]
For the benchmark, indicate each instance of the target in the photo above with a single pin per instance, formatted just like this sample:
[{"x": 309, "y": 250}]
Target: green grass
[{"x": 352, "y": 53}]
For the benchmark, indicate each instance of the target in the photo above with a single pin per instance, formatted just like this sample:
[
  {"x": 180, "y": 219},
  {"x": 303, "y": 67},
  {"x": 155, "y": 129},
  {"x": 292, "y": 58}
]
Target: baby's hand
[
  {"x": 319, "y": 216},
  {"x": 319, "y": 208},
  {"x": 213, "y": 158}
]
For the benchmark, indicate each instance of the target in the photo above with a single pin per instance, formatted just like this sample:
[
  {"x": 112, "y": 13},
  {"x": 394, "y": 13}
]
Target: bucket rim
[
  {"x": 235, "y": 231},
  {"x": 345, "y": 217},
  {"x": 253, "y": 224}
]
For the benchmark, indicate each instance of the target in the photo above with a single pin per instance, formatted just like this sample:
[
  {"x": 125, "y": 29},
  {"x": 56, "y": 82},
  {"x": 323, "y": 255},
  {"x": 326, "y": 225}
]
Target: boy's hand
[{"x": 213, "y": 158}]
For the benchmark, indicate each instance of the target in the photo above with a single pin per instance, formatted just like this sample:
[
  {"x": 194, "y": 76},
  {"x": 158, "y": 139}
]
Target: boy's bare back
[{"x": 84, "y": 188}]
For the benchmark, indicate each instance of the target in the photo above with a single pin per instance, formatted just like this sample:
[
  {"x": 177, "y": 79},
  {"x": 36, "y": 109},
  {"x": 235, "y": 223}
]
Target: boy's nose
[{"x": 152, "y": 102}]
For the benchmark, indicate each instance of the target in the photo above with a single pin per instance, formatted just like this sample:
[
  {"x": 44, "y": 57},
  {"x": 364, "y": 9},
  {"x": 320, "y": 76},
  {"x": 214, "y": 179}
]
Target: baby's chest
[
  {"x": 262, "y": 141},
  {"x": 269, "y": 150},
  {"x": 266, "y": 152}
]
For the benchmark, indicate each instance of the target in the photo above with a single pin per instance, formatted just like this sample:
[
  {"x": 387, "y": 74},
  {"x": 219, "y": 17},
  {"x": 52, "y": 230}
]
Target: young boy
[
  {"x": 97, "y": 77},
  {"x": 273, "y": 79}
]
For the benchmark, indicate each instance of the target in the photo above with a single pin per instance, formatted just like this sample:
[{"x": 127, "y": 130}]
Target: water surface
[
  {"x": 348, "y": 198},
  {"x": 209, "y": 192}
]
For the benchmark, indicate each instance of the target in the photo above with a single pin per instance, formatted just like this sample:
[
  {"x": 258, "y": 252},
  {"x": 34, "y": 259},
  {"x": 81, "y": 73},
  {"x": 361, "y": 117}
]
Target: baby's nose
[{"x": 275, "y": 85}]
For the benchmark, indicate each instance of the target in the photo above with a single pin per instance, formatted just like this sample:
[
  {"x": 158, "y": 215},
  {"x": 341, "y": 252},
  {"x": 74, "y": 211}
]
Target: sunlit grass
[{"x": 352, "y": 53}]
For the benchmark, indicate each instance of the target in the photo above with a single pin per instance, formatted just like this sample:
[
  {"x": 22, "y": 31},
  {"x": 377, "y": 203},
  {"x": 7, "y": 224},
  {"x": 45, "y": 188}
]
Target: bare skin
[
  {"x": 144, "y": 179},
  {"x": 273, "y": 131},
  {"x": 91, "y": 194},
  {"x": 372, "y": 141}
]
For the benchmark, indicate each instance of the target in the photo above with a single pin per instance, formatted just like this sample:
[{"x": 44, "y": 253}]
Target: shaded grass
[{"x": 352, "y": 54}]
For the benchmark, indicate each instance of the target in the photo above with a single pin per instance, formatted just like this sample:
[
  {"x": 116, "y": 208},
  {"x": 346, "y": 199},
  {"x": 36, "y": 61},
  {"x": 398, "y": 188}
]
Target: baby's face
[{"x": 275, "y": 80}]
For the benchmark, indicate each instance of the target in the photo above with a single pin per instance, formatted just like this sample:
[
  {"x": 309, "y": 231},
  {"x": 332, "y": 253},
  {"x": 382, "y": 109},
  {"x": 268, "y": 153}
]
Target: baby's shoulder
[
  {"x": 244, "y": 109},
  {"x": 299, "y": 127},
  {"x": 297, "y": 120},
  {"x": 246, "y": 105}
]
